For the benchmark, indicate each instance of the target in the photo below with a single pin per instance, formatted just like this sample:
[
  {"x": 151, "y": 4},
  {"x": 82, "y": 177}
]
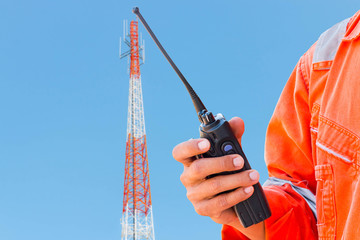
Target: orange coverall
[{"x": 312, "y": 144}]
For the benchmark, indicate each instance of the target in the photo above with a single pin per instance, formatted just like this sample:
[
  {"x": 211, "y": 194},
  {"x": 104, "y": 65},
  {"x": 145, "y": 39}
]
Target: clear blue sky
[{"x": 63, "y": 103}]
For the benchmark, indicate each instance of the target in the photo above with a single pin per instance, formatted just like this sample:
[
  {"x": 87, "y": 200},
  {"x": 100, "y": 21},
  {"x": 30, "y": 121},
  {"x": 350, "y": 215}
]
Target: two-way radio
[{"x": 223, "y": 142}]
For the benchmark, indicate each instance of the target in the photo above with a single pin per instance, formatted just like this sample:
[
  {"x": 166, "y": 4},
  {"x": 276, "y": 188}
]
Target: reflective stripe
[
  {"x": 315, "y": 130},
  {"x": 304, "y": 192},
  {"x": 329, "y": 42},
  {"x": 326, "y": 149}
]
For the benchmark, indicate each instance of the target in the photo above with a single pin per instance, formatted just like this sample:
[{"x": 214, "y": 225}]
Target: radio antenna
[{"x": 199, "y": 106}]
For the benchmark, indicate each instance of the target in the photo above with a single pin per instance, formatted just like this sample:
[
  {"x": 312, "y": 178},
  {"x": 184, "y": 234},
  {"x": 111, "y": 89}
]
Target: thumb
[{"x": 238, "y": 127}]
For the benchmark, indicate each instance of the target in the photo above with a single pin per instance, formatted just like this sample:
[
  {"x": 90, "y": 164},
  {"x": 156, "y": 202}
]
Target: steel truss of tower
[{"x": 137, "y": 217}]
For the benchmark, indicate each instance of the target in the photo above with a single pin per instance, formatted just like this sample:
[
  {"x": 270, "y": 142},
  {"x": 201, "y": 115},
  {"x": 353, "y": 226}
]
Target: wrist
[{"x": 254, "y": 232}]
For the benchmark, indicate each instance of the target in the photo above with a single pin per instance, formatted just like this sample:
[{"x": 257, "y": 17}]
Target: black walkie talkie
[{"x": 223, "y": 142}]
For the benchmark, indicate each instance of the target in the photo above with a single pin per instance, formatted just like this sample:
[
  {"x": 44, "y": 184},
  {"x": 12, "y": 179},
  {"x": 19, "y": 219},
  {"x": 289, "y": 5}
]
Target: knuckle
[
  {"x": 239, "y": 195},
  {"x": 224, "y": 162},
  {"x": 182, "y": 149},
  {"x": 196, "y": 168},
  {"x": 174, "y": 153},
  {"x": 215, "y": 185},
  {"x": 223, "y": 201},
  {"x": 201, "y": 210},
  {"x": 184, "y": 179},
  {"x": 242, "y": 179},
  {"x": 177, "y": 150},
  {"x": 191, "y": 195}
]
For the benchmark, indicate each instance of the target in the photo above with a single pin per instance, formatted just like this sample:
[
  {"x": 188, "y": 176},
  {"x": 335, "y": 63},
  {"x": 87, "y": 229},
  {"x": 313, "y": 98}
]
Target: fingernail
[
  {"x": 237, "y": 162},
  {"x": 254, "y": 175},
  {"x": 248, "y": 189},
  {"x": 203, "y": 145}
]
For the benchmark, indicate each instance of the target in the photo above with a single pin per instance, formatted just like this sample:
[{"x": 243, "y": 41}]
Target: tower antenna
[{"x": 137, "y": 216}]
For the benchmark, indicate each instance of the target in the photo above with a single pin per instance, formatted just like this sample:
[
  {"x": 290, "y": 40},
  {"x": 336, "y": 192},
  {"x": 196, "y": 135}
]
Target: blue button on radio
[{"x": 227, "y": 147}]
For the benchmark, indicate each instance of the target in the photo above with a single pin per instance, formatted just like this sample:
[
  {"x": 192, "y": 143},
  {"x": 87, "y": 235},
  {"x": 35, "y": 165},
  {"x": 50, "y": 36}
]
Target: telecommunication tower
[{"x": 137, "y": 217}]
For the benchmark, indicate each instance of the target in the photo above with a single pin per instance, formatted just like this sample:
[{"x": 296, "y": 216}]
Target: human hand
[{"x": 207, "y": 195}]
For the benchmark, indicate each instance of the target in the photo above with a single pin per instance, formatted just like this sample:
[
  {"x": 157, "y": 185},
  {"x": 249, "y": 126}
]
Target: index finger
[{"x": 185, "y": 151}]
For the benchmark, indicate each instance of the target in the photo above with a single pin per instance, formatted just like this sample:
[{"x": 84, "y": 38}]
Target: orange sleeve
[{"x": 288, "y": 155}]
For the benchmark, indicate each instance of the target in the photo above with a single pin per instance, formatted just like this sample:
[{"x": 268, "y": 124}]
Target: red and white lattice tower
[{"x": 137, "y": 216}]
